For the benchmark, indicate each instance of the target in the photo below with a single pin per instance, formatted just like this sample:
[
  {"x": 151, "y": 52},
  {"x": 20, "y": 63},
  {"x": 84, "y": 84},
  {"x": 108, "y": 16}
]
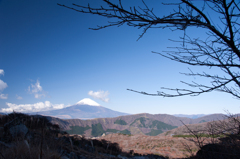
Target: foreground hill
[
  {"x": 171, "y": 147},
  {"x": 146, "y": 124}
]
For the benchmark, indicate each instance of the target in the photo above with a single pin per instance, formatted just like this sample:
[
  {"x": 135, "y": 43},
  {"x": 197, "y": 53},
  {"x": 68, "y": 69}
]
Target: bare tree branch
[{"x": 220, "y": 50}]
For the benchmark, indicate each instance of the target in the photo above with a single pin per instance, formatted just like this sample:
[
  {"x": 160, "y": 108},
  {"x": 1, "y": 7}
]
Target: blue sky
[{"x": 50, "y": 59}]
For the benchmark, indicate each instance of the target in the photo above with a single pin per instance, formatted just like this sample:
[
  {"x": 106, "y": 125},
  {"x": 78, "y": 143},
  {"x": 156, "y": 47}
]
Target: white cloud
[
  {"x": 3, "y": 85},
  {"x": 19, "y": 97},
  {"x": 100, "y": 95},
  {"x": 36, "y": 107},
  {"x": 1, "y": 72},
  {"x": 37, "y": 90},
  {"x": 3, "y": 96}
]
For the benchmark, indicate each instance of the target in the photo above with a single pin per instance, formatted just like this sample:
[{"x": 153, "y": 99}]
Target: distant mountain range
[
  {"x": 193, "y": 116},
  {"x": 146, "y": 124},
  {"x": 84, "y": 109}
]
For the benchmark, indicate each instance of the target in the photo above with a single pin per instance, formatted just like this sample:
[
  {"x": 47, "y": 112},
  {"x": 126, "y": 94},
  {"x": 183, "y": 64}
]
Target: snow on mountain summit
[{"x": 87, "y": 101}]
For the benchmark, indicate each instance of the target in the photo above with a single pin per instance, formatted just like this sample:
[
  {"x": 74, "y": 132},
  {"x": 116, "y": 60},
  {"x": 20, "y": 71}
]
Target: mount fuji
[
  {"x": 87, "y": 101},
  {"x": 84, "y": 109}
]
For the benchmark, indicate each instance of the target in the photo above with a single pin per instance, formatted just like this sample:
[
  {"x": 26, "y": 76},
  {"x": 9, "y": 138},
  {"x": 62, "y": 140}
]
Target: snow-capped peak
[{"x": 87, "y": 101}]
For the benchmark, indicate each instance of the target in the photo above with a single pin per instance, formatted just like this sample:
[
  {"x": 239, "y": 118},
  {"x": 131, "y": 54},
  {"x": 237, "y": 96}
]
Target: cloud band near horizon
[{"x": 36, "y": 107}]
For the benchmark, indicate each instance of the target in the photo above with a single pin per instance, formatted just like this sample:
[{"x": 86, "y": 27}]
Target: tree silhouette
[{"x": 219, "y": 50}]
